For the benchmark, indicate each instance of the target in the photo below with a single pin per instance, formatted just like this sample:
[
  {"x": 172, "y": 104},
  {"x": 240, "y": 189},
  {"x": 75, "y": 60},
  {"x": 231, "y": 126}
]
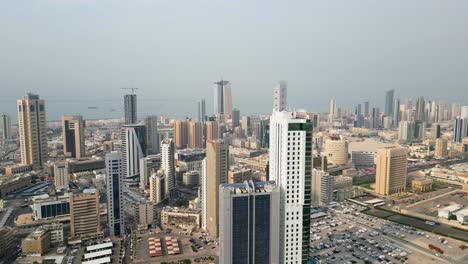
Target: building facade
[
  {"x": 114, "y": 180},
  {"x": 73, "y": 129},
  {"x": 391, "y": 170}
]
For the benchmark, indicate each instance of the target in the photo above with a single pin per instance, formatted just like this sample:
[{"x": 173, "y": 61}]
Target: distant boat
[{"x": 92, "y": 107}]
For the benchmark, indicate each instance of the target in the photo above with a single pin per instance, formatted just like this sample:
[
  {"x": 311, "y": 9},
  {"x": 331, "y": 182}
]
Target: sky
[{"x": 74, "y": 52}]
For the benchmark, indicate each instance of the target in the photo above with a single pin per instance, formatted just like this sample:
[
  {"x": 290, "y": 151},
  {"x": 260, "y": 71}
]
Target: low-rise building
[
  {"x": 462, "y": 216},
  {"x": 421, "y": 185},
  {"x": 448, "y": 211},
  {"x": 181, "y": 216},
  {"x": 17, "y": 169},
  {"x": 38, "y": 242},
  {"x": 9, "y": 184},
  {"x": 45, "y": 206}
]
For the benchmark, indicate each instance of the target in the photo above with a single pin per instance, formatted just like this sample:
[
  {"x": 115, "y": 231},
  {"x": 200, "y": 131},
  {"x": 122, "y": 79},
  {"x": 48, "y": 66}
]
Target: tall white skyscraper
[
  {"x": 32, "y": 127},
  {"x": 152, "y": 139},
  {"x": 130, "y": 108},
  {"x": 248, "y": 222},
  {"x": 168, "y": 164},
  {"x": 114, "y": 180},
  {"x": 222, "y": 99},
  {"x": 133, "y": 149},
  {"x": 280, "y": 96},
  {"x": 201, "y": 110},
  {"x": 290, "y": 168},
  {"x": 6, "y": 126},
  {"x": 332, "y": 111}
]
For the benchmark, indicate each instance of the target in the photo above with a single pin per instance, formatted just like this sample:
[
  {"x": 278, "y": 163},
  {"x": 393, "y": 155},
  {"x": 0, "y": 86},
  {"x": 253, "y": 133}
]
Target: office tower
[
  {"x": 157, "y": 187},
  {"x": 460, "y": 129},
  {"x": 248, "y": 222},
  {"x": 152, "y": 139},
  {"x": 396, "y": 112},
  {"x": 84, "y": 215},
  {"x": 6, "y": 126},
  {"x": 391, "y": 170},
  {"x": 375, "y": 118},
  {"x": 168, "y": 165},
  {"x": 322, "y": 187},
  {"x": 246, "y": 126},
  {"x": 217, "y": 166},
  {"x": 235, "y": 117},
  {"x": 419, "y": 131},
  {"x": 212, "y": 130},
  {"x": 440, "y": 149},
  {"x": 427, "y": 111},
  {"x": 336, "y": 150},
  {"x": 32, "y": 127},
  {"x": 420, "y": 110},
  {"x": 148, "y": 165},
  {"x": 181, "y": 133},
  {"x": 264, "y": 134},
  {"x": 133, "y": 149},
  {"x": 442, "y": 110},
  {"x": 389, "y": 103},
  {"x": 130, "y": 108},
  {"x": 222, "y": 99},
  {"x": 291, "y": 137},
  {"x": 456, "y": 110},
  {"x": 280, "y": 96},
  {"x": 195, "y": 135},
  {"x": 358, "y": 116},
  {"x": 435, "y": 131},
  {"x": 114, "y": 181},
  {"x": 464, "y": 112},
  {"x": 332, "y": 111},
  {"x": 365, "y": 108},
  {"x": 201, "y": 110},
  {"x": 73, "y": 136},
  {"x": 406, "y": 132}
]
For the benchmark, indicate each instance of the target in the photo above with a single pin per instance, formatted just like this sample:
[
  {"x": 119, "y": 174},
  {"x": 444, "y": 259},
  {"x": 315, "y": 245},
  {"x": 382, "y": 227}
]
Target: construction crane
[{"x": 133, "y": 89}]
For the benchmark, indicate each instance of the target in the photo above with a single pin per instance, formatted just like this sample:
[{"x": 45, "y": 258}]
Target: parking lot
[
  {"x": 430, "y": 207},
  {"x": 348, "y": 236}
]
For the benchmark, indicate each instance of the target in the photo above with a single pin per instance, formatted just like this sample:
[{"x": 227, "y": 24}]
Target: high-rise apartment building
[
  {"x": 32, "y": 127},
  {"x": 336, "y": 150},
  {"x": 133, "y": 149},
  {"x": 211, "y": 130},
  {"x": 391, "y": 170},
  {"x": 152, "y": 139},
  {"x": 181, "y": 133},
  {"x": 73, "y": 129},
  {"x": 389, "y": 102},
  {"x": 440, "y": 148},
  {"x": 222, "y": 99},
  {"x": 201, "y": 109},
  {"x": 280, "y": 96},
  {"x": 217, "y": 167},
  {"x": 84, "y": 215},
  {"x": 195, "y": 135},
  {"x": 6, "y": 126},
  {"x": 248, "y": 222},
  {"x": 130, "y": 108},
  {"x": 157, "y": 187},
  {"x": 148, "y": 165},
  {"x": 168, "y": 165},
  {"x": 322, "y": 187},
  {"x": 291, "y": 168},
  {"x": 114, "y": 182}
]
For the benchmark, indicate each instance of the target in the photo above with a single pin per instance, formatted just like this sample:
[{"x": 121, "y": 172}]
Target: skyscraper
[
  {"x": 195, "y": 139},
  {"x": 133, "y": 149},
  {"x": 248, "y": 221},
  {"x": 280, "y": 96},
  {"x": 290, "y": 167},
  {"x": 223, "y": 99},
  {"x": 246, "y": 126},
  {"x": 181, "y": 132},
  {"x": 114, "y": 180},
  {"x": 359, "y": 116},
  {"x": 130, "y": 108},
  {"x": 420, "y": 116},
  {"x": 84, "y": 215},
  {"x": 235, "y": 117},
  {"x": 32, "y": 127},
  {"x": 406, "y": 132},
  {"x": 217, "y": 166},
  {"x": 211, "y": 131},
  {"x": 391, "y": 170},
  {"x": 375, "y": 118},
  {"x": 157, "y": 187},
  {"x": 6, "y": 126},
  {"x": 435, "y": 131},
  {"x": 460, "y": 129},
  {"x": 152, "y": 140},
  {"x": 440, "y": 149},
  {"x": 332, "y": 111},
  {"x": 389, "y": 103},
  {"x": 168, "y": 165},
  {"x": 396, "y": 112},
  {"x": 201, "y": 110},
  {"x": 264, "y": 133},
  {"x": 73, "y": 136}
]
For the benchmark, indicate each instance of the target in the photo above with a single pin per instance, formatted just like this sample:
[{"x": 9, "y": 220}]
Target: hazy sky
[{"x": 351, "y": 50}]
